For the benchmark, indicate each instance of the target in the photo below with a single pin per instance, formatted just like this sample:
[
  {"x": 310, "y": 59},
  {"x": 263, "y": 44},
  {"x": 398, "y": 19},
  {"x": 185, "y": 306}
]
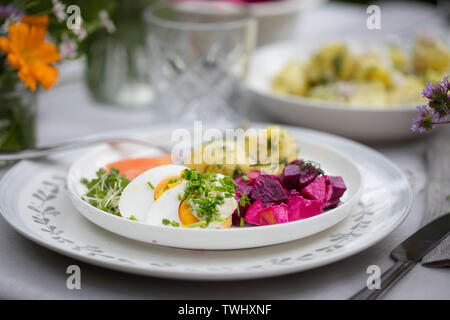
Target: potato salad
[{"x": 383, "y": 76}]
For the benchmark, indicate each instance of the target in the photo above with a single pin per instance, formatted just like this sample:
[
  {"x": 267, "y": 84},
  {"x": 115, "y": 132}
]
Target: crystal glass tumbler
[{"x": 200, "y": 52}]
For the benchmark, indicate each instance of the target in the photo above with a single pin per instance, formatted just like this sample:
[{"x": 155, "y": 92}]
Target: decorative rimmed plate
[
  {"x": 362, "y": 123},
  {"x": 34, "y": 201},
  {"x": 332, "y": 162}
]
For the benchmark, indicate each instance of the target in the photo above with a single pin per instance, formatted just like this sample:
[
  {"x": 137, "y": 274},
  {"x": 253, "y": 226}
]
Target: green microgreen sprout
[
  {"x": 311, "y": 165},
  {"x": 104, "y": 191}
]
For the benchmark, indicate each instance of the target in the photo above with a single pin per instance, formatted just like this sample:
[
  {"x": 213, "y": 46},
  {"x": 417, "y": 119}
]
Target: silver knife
[{"x": 407, "y": 255}]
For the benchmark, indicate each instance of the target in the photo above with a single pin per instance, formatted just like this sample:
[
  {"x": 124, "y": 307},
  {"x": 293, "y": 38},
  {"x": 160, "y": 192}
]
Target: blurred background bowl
[
  {"x": 277, "y": 19},
  {"x": 363, "y": 123}
]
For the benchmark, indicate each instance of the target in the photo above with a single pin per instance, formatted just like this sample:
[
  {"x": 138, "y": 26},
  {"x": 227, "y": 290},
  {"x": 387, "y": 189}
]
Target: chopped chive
[
  {"x": 204, "y": 191},
  {"x": 245, "y": 178},
  {"x": 244, "y": 200},
  {"x": 150, "y": 185},
  {"x": 175, "y": 224},
  {"x": 197, "y": 224},
  {"x": 133, "y": 218},
  {"x": 174, "y": 180}
]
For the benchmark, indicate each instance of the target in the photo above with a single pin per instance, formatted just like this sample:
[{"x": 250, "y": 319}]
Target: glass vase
[
  {"x": 118, "y": 70},
  {"x": 17, "y": 116}
]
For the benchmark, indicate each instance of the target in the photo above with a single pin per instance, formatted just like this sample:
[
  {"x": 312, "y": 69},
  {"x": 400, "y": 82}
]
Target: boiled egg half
[{"x": 157, "y": 195}]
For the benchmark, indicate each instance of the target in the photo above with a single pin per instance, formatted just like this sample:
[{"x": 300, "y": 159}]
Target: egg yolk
[
  {"x": 165, "y": 185},
  {"x": 187, "y": 217},
  {"x": 185, "y": 214}
]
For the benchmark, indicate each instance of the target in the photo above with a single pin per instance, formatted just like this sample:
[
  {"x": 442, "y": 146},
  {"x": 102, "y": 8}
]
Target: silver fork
[
  {"x": 74, "y": 144},
  {"x": 79, "y": 143}
]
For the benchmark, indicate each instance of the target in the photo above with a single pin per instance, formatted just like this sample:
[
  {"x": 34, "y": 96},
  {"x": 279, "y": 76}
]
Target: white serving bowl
[
  {"x": 332, "y": 161},
  {"x": 363, "y": 123}
]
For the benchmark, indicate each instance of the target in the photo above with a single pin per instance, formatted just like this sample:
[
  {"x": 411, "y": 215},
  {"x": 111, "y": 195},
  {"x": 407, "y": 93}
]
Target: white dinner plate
[
  {"x": 332, "y": 162},
  {"x": 363, "y": 123},
  {"x": 34, "y": 200}
]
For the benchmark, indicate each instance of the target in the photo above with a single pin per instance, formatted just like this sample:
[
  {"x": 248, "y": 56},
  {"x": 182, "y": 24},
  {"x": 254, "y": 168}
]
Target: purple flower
[
  {"x": 438, "y": 98},
  {"x": 80, "y": 32},
  {"x": 59, "y": 9},
  {"x": 425, "y": 121},
  {"x": 9, "y": 10},
  {"x": 68, "y": 48},
  {"x": 445, "y": 83},
  {"x": 428, "y": 91},
  {"x": 437, "y": 109}
]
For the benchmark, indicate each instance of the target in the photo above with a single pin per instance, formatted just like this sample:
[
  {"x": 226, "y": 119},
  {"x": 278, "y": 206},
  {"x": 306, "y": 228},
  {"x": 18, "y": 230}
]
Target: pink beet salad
[{"x": 301, "y": 191}]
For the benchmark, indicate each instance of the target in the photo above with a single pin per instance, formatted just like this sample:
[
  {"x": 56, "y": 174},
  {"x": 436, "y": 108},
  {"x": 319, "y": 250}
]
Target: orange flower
[
  {"x": 29, "y": 53},
  {"x": 38, "y": 21}
]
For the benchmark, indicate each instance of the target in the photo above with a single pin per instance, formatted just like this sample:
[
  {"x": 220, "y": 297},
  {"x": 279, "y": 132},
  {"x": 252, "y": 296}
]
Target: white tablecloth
[{"x": 29, "y": 271}]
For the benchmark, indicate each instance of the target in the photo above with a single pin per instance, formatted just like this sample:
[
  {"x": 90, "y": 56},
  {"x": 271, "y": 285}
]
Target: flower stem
[{"x": 443, "y": 122}]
